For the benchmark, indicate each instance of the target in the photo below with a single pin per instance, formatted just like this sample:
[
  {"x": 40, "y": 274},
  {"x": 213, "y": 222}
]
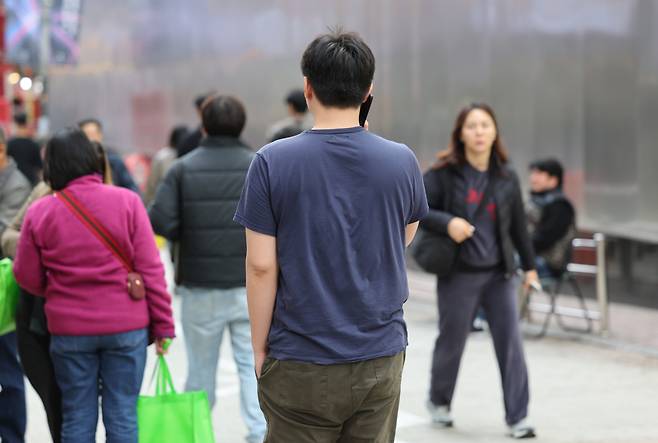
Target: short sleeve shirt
[{"x": 338, "y": 202}]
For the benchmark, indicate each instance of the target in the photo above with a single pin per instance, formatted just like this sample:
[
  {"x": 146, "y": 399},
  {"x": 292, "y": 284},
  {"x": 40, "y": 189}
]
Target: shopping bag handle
[{"x": 164, "y": 383}]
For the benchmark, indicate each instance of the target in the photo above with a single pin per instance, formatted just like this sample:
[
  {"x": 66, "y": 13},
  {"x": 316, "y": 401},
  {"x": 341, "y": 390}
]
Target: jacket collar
[
  {"x": 90, "y": 179},
  {"x": 222, "y": 141}
]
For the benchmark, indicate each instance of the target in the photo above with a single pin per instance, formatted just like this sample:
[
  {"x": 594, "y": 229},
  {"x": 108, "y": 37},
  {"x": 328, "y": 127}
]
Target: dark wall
[{"x": 573, "y": 79}]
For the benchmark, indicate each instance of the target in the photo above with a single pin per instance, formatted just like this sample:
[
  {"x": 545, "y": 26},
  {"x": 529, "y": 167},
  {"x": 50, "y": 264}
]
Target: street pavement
[{"x": 581, "y": 391}]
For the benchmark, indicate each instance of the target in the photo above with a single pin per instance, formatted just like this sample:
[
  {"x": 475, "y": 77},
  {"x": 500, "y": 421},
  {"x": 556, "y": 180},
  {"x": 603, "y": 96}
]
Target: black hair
[
  {"x": 288, "y": 131},
  {"x": 90, "y": 121},
  {"x": 201, "y": 98},
  {"x": 296, "y": 99},
  {"x": 223, "y": 115},
  {"x": 551, "y": 166},
  {"x": 340, "y": 67},
  {"x": 177, "y": 134},
  {"x": 20, "y": 119},
  {"x": 70, "y": 155}
]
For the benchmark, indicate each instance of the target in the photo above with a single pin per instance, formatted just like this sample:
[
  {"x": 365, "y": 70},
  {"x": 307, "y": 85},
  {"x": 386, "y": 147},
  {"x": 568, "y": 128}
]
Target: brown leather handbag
[{"x": 135, "y": 282}]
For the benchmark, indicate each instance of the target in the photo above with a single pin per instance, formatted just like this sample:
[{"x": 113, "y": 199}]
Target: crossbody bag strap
[{"x": 94, "y": 226}]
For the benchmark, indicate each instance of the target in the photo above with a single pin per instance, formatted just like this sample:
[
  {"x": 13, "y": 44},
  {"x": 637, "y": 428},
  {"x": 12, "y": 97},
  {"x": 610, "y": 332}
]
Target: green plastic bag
[
  {"x": 9, "y": 293},
  {"x": 173, "y": 418}
]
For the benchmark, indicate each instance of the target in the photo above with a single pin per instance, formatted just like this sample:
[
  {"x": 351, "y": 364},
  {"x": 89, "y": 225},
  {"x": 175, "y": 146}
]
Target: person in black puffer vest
[
  {"x": 551, "y": 218},
  {"x": 194, "y": 207}
]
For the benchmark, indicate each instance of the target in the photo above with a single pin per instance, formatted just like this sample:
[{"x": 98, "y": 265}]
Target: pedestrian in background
[
  {"x": 298, "y": 119},
  {"x": 551, "y": 218},
  {"x": 193, "y": 139},
  {"x": 100, "y": 327},
  {"x": 194, "y": 207},
  {"x": 475, "y": 198},
  {"x": 93, "y": 129},
  {"x": 162, "y": 161},
  {"x": 24, "y": 150},
  {"x": 14, "y": 190},
  {"x": 31, "y": 325}
]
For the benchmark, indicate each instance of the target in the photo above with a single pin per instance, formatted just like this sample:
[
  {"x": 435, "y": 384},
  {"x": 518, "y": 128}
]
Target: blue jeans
[
  {"x": 543, "y": 270},
  {"x": 12, "y": 392},
  {"x": 84, "y": 363},
  {"x": 206, "y": 313}
]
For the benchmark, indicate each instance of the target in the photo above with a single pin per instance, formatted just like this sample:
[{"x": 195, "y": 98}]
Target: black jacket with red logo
[{"x": 447, "y": 194}]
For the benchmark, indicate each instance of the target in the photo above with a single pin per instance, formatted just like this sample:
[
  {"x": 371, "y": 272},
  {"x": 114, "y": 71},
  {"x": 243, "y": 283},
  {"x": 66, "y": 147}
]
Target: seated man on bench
[{"x": 551, "y": 218}]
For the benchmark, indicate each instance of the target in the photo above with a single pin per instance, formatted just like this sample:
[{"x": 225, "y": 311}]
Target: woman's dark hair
[
  {"x": 223, "y": 115},
  {"x": 70, "y": 155},
  {"x": 456, "y": 152},
  {"x": 340, "y": 67},
  {"x": 104, "y": 163},
  {"x": 176, "y": 135}
]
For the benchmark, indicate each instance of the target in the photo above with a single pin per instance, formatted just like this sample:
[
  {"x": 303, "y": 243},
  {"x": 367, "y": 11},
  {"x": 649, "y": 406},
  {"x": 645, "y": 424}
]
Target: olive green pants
[{"x": 353, "y": 402}]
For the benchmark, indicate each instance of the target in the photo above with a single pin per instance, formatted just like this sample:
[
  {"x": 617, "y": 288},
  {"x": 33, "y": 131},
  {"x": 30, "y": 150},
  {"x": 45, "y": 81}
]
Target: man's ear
[
  {"x": 369, "y": 92},
  {"x": 308, "y": 90}
]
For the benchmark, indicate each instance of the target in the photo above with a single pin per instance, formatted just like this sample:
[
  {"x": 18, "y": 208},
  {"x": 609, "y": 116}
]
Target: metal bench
[{"x": 553, "y": 286}]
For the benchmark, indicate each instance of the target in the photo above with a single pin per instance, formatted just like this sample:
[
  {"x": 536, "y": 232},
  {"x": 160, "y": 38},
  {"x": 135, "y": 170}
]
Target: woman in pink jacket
[{"x": 100, "y": 329}]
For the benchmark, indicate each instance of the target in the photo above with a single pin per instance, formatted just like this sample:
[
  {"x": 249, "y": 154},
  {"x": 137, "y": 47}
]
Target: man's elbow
[{"x": 260, "y": 269}]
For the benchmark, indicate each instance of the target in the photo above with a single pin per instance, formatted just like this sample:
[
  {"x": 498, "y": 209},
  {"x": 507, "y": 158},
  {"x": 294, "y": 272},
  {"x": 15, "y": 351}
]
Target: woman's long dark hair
[
  {"x": 456, "y": 152},
  {"x": 104, "y": 162}
]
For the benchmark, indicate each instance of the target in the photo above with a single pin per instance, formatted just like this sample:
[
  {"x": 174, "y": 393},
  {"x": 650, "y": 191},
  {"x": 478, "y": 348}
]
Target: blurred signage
[{"x": 23, "y": 32}]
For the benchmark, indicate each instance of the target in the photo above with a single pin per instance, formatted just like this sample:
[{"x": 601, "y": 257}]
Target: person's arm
[
  {"x": 147, "y": 263},
  {"x": 15, "y": 196},
  {"x": 165, "y": 211},
  {"x": 437, "y": 218},
  {"x": 256, "y": 214},
  {"x": 418, "y": 200},
  {"x": 520, "y": 237},
  {"x": 554, "y": 224},
  {"x": 410, "y": 233},
  {"x": 120, "y": 173},
  {"x": 28, "y": 269},
  {"x": 262, "y": 276},
  {"x": 155, "y": 175},
  {"x": 10, "y": 236}
]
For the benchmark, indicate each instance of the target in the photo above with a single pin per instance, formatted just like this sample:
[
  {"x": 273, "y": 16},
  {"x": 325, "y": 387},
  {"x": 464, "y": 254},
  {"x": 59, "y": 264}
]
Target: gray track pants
[{"x": 459, "y": 297}]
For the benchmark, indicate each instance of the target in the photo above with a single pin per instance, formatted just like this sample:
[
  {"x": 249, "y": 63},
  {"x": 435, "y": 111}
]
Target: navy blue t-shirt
[{"x": 338, "y": 202}]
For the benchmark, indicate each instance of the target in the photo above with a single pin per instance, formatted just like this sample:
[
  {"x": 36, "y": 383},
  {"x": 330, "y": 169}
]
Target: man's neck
[
  {"x": 335, "y": 118},
  {"x": 4, "y": 163},
  {"x": 22, "y": 132}
]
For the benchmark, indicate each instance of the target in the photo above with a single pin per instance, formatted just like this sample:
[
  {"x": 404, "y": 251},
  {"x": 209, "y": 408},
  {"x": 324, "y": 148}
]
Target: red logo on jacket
[{"x": 473, "y": 197}]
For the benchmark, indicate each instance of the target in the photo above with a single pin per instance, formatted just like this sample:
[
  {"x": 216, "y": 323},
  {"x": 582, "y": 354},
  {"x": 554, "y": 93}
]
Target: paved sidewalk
[{"x": 581, "y": 391}]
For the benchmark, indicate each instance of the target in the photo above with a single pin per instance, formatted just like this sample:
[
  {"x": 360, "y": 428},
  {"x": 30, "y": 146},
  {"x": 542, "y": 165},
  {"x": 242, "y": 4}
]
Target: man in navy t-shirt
[{"x": 328, "y": 214}]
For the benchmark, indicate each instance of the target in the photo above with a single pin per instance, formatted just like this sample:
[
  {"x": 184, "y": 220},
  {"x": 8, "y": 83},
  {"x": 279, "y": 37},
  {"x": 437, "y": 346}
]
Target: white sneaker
[
  {"x": 440, "y": 414},
  {"x": 521, "y": 429}
]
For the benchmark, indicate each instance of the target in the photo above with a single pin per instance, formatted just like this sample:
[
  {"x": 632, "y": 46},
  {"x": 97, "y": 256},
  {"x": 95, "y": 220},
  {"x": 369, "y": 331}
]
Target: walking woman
[
  {"x": 32, "y": 333},
  {"x": 99, "y": 324},
  {"x": 475, "y": 198}
]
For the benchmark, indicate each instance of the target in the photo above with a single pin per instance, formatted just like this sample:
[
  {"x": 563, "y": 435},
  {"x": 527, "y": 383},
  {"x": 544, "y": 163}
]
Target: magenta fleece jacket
[{"x": 84, "y": 284}]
